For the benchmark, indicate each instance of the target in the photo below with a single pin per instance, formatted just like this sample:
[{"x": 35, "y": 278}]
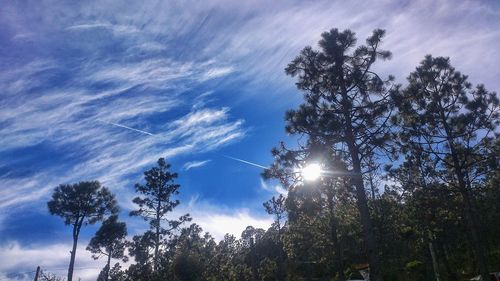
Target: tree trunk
[
  {"x": 469, "y": 209},
  {"x": 76, "y": 232},
  {"x": 279, "y": 226},
  {"x": 72, "y": 260},
  {"x": 451, "y": 274},
  {"x": 476, "y": 241},
  {"x": 372, "y": 186},
  {"x": 357, "y": 179},
  {"x": 375, "y": 274},
  {"x": 157, "y": 246},
  {"x": 108, "y": 264},
  {"x": 333, "y": 232},
  {"x": 157, "y": 236},
  {"x": 37, "y": 273},
  {"x": 434, "y": 261},
  {"x": 364, "y": 212}
]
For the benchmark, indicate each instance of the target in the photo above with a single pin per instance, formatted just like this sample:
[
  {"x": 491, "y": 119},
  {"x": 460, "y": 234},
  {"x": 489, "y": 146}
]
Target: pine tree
[
  {"x": 109, "y": 241},
  {"x": 276, "y": 207},
  {"x": 345, "y": 112},
  {"x": 155, "y": 202},
  {"x": 455, "y": 126},
  {"x": 81, "y": 204}
]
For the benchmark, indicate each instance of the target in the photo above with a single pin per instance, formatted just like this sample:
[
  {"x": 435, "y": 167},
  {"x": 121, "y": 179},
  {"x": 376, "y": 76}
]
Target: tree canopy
[
  {"x": 81, "y": 204},
  {"x": 155, "y": 202}
]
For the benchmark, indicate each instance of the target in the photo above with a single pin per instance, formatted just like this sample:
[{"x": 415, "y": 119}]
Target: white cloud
[
  {"x": 219, "y": 220},
  {"x": 149, "y": 72},
  {"x": 199, "y": 117},
  {"x": 18, "y": 261},
  {"x": 23, "y": 190},
  {"x": 115, "y": 28},
  {"x": 214, "y": 218},
  {"x": 216, "y": 73},
  {"x": 149, "y": 47},
  {"x": 21, "y": 78},
  {"x": 218, "y": 224},
  {"x": 195, "y": 164}
]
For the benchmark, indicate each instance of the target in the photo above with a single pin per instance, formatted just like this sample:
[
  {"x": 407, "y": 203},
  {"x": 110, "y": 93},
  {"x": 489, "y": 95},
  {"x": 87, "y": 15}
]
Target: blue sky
[{"x": 197, "y": 80}]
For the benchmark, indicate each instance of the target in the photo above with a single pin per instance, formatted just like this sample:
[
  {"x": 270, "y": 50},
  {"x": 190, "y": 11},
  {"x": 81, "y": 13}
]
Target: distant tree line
[{"x": 408, "y": 189}]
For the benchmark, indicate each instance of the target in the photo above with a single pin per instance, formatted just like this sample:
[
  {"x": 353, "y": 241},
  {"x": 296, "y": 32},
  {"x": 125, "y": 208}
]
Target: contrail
[
  {"x": 126, "y": 127},
  {"x": 246, "y": 162}
]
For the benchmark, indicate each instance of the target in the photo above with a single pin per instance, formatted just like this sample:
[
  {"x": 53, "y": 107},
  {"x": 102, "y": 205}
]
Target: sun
[{"x": 311, "y": 172}]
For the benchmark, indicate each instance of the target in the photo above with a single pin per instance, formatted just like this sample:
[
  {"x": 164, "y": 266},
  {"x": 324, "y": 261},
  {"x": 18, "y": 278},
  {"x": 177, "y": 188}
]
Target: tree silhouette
[
  {"x": 276, "y": 206},
  {"x": 453, "y": 125},
  {"x": 109, "y": 241},
  {"x": 345, "y": 111},
  {"x": 141, "y": 248},
  {"x": 155, "y": 202},
  {"x": 81, "y": 204}
]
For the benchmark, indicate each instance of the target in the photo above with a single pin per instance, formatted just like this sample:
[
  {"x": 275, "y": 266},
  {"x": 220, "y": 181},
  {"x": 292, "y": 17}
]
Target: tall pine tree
[
  {"x": 81, "y": 204},
  {"x": 455, "y": 126},
  {"x": 109, "y": 241},
  {"x": 345, "y": 111},
  {"x": 155, "y": 202}
]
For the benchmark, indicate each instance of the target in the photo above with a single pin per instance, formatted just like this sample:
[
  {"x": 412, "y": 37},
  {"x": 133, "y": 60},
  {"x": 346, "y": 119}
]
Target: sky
[{"x": 99, "y": 90}]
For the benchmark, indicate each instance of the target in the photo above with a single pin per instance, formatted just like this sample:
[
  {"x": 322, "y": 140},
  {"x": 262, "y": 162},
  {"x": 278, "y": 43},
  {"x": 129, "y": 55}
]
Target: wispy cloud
[
  {"x": 112, "y": 156},
  {"x": 273, "y": 187},
  {"x": 159, "y": 53},
  {"x": 66, "y": 117},
  {"x": 195, "y": 164},
  {"x": 116, "y": 28},
  {"x": 267, "y": 41},
  {"x": 216, "y": 73}
]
